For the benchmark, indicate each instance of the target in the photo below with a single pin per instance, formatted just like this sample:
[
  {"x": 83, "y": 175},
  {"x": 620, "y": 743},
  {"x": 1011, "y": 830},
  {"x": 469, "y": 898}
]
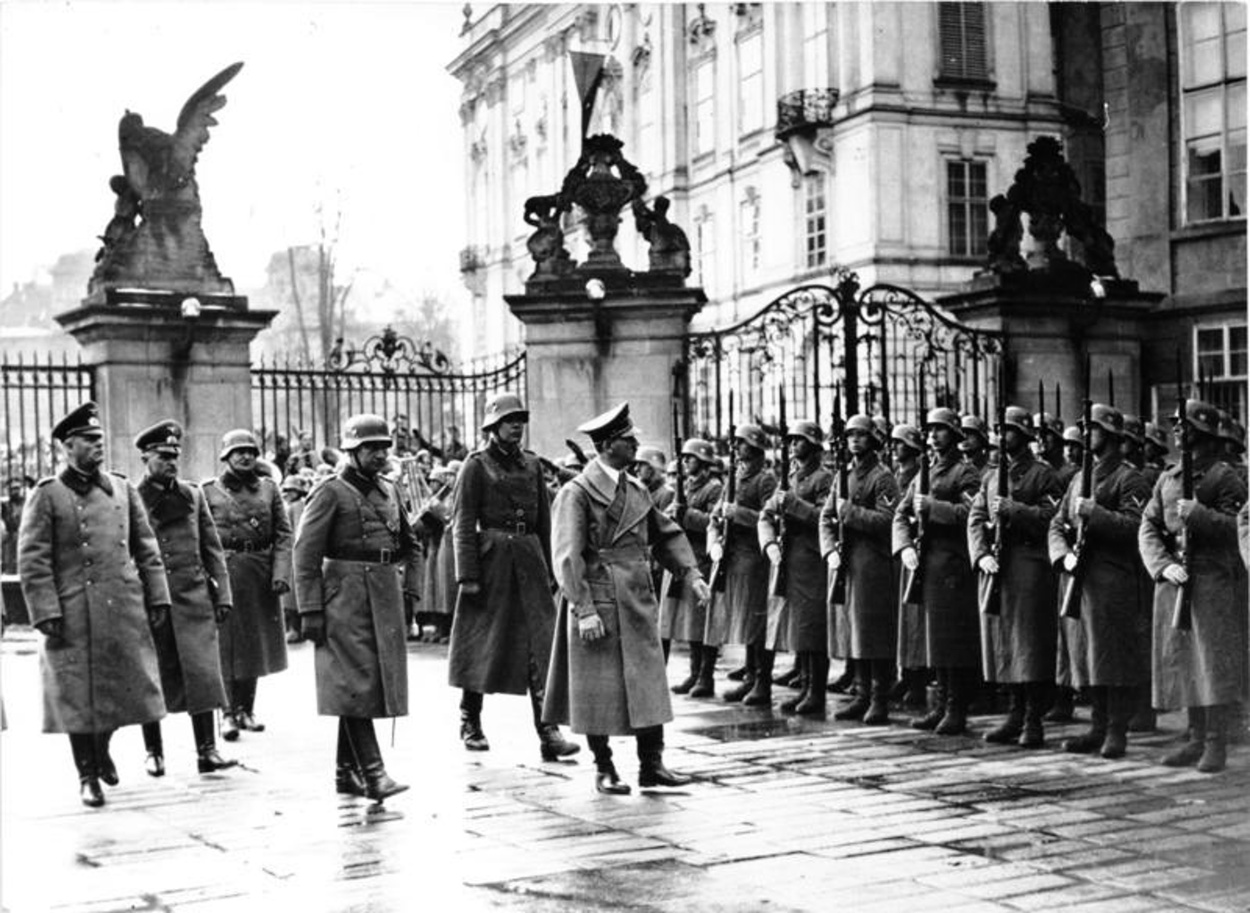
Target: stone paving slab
[{"x": 787, "y": 815}]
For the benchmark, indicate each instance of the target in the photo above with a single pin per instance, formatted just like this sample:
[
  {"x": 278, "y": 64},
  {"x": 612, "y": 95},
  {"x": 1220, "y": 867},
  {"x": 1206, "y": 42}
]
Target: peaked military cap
[
  {"x": 238, "y": 439},
  {"x": 752, "y": 434},
  {"x": 908, "y": 435},
  {"x": 611, "y": 424},
  {"x": 809, "y": 431},
  {"x": 947, "y": 418},
  {"x": 1020, "y": 419},
  {"x": 501, "y": 406},
  {"x": 700, "y": 449},
  {"x": 164, "y": 437},
  {"x": 83, "y": 420}
]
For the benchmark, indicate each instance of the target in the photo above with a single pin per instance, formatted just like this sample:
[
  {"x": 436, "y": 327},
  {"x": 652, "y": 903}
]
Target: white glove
[
  {"x": 590, "y": 628},
  {"x": 1069, "y": 562},
  {"x": 988, "y": 564},
  {"x": 1176, "y": 574},
  {"x": 911, "y": 560},
  {"x": 773, "y": 552}
]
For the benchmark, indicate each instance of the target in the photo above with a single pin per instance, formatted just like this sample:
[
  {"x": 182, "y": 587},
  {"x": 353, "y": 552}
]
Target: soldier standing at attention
[
  {"x": 93, "y": 580},
  {"x": 352, "y": 556},
  {"x": 975, "y": 445},
  {"x": 913, "y": 675},
  {"x": 504, "y": 619},
  {"x": 607, "y": 665},
  {"x": 190, "y": 657},
  {"x": 952, "y": 631},
  {"x": 1108, "y": 645},
  {"x": 1007, "y": 540},
  {"x": 796, "y": 554},
  {"x": 1193, "y": 543},
  {"x": 256, "y": 534},
  {"x": 1156, "y": 452}
]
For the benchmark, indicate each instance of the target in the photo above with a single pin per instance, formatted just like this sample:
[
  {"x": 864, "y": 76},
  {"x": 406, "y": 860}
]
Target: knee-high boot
[
  {"x": 801, "y": 663},
  {"x": 1215, "y": 746},
  {"x": 1009, "y": 729},
  {"x": 471, "y": 721},
  {"x": 1192, "y": 750},
  {"x": 1120, "y": 703},
  {"x": 245, "y": 713},
  {"x": 348, "y": 780},
  {"x": 207, "y": 759},
  {"x": 364, "y": 744},
  {"x": 552, "y": 745},
  {"x": 761, "y": 693},
  {"x": 155, "y": 745},
  {"x": 103, "y": 760},
  {"x": 706, "y": 685},
  {"x": 651, "y": 769},
  {"x": 82, "y": 744},
  {"x": 696, "y": 666},
  {"x": 959, "y": 691},
  {"x": 931, "y": 719},
  {"x": 813, "y": 703},
  {"x": 1092, "y": 739},
  {"x": 858, "y": 706},
  {"x": 746, "y": 680},
  {"x": 1036, "y": 699},
  {"x": 881, "y": 672}
]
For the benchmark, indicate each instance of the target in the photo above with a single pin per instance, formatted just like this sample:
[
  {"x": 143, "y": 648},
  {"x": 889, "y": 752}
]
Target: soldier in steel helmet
[
  {"x": 1155, "y": 452},
  {"x": 353, "y": 556},
  {"x": 682, "y": 615},
  {"x": 1007, "y": 538},
  {"x": 1203, "y": 669},
  {"x": 256, "y": 535},
  {"x": 913, "y": 674},
  {"x": 952, "y": 632},
  {"x": 504, "y": 618},
  {"x": 86, "y": 553},
  {"x": 195, "y": 565},
  {"x": 1108, "y": 645},
  {"x": 796, "y": 511},
  {"x": 975, "y": 443}
]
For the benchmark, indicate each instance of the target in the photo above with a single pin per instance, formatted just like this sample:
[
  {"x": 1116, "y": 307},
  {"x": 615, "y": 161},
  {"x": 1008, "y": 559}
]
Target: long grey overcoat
[
  {"x": 1109, "y": 643},
  {"x": 912, "y": 631},
  {"x": 605, "y": 537},
  {"x": 502, "y": 540},
  {"x": 195, "y": 566},
  {"x": 255, "y": 532},
  {"x": 362, "y": 668},
  {"x": 1205, "y": 665},
  {"x": 86, "y": 555},
  {"x": 805, "y": 596},
  {"x": 953, "y": 634},
  {"x": 681, "y": 616},
  {"x": 1018, "y": 644},
  {"x": 739, "y": 615},
  {"x": 864, "y": 521}
]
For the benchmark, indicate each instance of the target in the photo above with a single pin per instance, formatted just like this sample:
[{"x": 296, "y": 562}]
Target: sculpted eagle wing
[{"x": 197, "y": 116}]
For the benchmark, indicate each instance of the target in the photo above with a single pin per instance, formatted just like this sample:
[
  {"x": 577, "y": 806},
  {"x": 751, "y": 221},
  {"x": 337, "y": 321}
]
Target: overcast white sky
[{"x": 336, "y": 98}]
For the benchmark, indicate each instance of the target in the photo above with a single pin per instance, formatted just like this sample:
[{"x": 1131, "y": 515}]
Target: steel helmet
[
  {"x": 1108, "y": 418},
  {"x": 1020, "y": 419},
  {"x": 908, "y": 435},
  {"x": 860, "y": 422},
  {"x": 752, "y": 434},
  {"x": 947, "y": 418},
  {"x": 1134, "y": 430},
  {"x": 881, "y": 429},
  {"x": 365, "y": 428},
  {"x": 1202, "y": 417},
  {"x": 1044, "y": 421},
  {"x": 809, "y": 431},
  {"x": 972, "y": 424},
  {"x": 1072, "y": 435},
  {"x": 238, "y": 439},
  {"x": 697, "y": 447},
  {"x": 502, "y": 405},
  {"x": 652, "y": 455}
]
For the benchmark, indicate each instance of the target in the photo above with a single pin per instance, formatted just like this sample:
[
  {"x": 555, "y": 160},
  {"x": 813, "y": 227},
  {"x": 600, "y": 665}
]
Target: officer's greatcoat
[
  {"x": 1109, "y": 643},
  {"x": 195, "y": 566},
  {"x": 502, "y": 522},
  {"x": 863, "y": 522},
  {"x": 681, "y": 616},
  {"x": 86, "y": 554},
  {"x": 949, "y": 593},
  {"x": 256, "y": 535},
  {"x": 805, "y": 594},
  {"x": 1205, "y": 665},
  {"x": 740, "y": 616},
  {"x": 605, "y": 537},
  {"x": 1018, "y": 644},
  {"x": 913, "y": 633},
  {"x": 351, "y": 555}
]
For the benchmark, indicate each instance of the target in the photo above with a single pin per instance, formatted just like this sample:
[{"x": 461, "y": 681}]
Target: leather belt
[
  {"x": 519, "y": 528},
  {"x": 367, "y": 555},
  {"x": 246, "y": 546}
]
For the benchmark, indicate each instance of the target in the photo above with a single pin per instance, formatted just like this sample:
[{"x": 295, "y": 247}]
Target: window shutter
[{"x": 961, "y": 33}]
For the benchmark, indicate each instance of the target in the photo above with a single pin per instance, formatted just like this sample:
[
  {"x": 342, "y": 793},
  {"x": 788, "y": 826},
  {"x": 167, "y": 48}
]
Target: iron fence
[{"x": 37, "y": 392}]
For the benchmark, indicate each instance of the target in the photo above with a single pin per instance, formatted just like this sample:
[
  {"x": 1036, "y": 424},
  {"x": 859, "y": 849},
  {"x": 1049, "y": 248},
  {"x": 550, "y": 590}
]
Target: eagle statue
[{"x": 155, "y": 240}]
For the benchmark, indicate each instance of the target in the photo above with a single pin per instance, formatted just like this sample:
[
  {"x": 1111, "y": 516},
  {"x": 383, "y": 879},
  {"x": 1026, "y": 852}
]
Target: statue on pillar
[
  {"x": 602, "y": 183},
  {"x": 670, "y": 249},
  {"x": 167, "y": 250},
  {"x": 546, "y": 244}
]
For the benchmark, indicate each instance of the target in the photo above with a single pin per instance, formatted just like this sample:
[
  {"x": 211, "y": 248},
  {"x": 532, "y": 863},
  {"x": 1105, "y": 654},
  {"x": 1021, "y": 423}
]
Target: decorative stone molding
[
  {"x": 477, "y": 151},
  {"x": 517, "y": 141},
  {"x": 702, "y": 33}
]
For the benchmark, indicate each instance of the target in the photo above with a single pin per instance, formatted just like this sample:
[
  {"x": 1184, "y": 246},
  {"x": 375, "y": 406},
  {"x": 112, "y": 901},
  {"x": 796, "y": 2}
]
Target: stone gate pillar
[{"x": 169, "y": 355}]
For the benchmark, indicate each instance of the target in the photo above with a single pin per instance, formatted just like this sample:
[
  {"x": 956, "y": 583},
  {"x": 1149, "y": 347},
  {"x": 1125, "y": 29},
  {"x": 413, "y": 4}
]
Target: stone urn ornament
[{"x": 602, "y": 183}]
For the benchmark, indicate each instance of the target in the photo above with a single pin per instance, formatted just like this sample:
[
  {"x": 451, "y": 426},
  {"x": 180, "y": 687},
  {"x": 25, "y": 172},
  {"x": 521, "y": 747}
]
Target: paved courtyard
[{"x": 786, "y": 815}]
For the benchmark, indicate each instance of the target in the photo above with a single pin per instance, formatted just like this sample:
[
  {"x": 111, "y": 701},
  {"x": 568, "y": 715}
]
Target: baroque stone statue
[
  {"x": 546, "y": 244},
  {"x": 670, "y": 249},
  {"x": 166, "y": 249}
]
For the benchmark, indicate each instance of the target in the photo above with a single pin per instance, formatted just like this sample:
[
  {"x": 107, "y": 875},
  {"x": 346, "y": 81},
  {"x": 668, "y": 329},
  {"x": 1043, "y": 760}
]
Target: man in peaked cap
[
  {"x": 256, "y": 535},
  {"x": 195, "y": 565},
  {"x": 96, "y": 677},
  {"x": 1193, "y": 542},
  {"x": 607, "y": 666},
  {"x": 1108, "y": 646},
  {"x": 502, "y": 627}
]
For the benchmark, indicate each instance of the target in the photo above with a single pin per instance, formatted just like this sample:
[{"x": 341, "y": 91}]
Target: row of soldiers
[{"x": 885, "y": 569}]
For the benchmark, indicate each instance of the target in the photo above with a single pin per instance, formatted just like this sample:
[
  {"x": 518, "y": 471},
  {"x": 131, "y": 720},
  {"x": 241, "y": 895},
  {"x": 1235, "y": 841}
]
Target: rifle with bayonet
[
  {"x": 1072, "y": 593},
  {"x": 991, "y": 593},
  {"x": 729, "y": 496},
  {"x": 913, "y": 581},
  {"x": 778, "y": 585},
  {"x": 679, "y": 494},
  {"x": 1182, "y": 611},
  {"x": 837, "y": 586}
]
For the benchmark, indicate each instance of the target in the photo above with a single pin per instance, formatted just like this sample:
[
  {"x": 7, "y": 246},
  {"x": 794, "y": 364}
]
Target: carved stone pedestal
[{"x": 157, "y": 356}]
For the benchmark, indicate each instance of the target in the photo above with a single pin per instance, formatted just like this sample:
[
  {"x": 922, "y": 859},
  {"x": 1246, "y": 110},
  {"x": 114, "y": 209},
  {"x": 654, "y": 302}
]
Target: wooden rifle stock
[{"x": 777, "y": 584}]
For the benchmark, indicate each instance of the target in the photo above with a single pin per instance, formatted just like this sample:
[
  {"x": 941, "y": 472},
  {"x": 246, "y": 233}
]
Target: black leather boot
[
  {"x": 348, "y": 780},
  {"x": 552, "y": 745},
  {"x": 103, "y": 760},
  {"x": 1119, "y": 708},
  {"x": 706, "y": 685},
  {"x": 958, "y": 695},
  {"x": 747, "y": 679},
  {"x": 858, "y": 706},
  {"x": 651, "y": 769},
  {"x": 696, "y": 667},
  {"x": 787, "y": 679},
  {"x": 245, "y": 717},
  {"x": 761, "y": 693},
  {"x": 813, "y": 703},
  {"x": 1062, "y": 708},
  {"x": 1008, "y": 731},
  {"x": 82, "y": 744},
  {"x": 471, "y": 721},
  {"x": 882, "y": 674},
  {"x": 1215, "y": 746},
  {"x": 916, "y": 681},
  {"x": 790, "y": 704},
  {"x": 931, "y": 719},
  {"x": 1092, "y": 739},
  {"x": 606, "y": 779},
  {"x": 207, "y": 759},
  {"x": 1036, "y": 700},
  {"x": 844, "y": 682},
  {"x": 364, "y": 744},
  {"x": 155, "y": 745},
  {"x": 1189, "y": 753}
]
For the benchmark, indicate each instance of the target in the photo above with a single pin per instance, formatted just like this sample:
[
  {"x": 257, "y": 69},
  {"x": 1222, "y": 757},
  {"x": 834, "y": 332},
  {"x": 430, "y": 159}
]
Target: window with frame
[
  {"x": 1220, "y": 353},
  {"x": 816, "y": 68},
  {"x": 815, "y": 222},
  {"x": 705, "y": 106},
  {"x": 749, "y": 231},
  {"x": 751, "y": 82},
  {"x": 967, "y": 208},
  {"x": 705, "y": 248},
  {"x": 961, "y": 36},
  {"x": 1213, "y": 109}
]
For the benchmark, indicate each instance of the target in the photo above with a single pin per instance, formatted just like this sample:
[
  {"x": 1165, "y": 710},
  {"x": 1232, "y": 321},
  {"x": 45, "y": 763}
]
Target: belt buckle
[
  {"x": 384, "y": 556},
  {"x": 521, "y": 528}
]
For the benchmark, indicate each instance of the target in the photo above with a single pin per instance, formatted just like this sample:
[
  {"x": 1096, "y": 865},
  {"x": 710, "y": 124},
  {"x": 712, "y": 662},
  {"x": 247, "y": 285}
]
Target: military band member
[
  {"x": 1018, "y": 644},
  {"x": 256, "y": 534},
  {"x": 1204, "y": 668},
  {"x": 86, "y": 556},
  {"x": 952, "y": 630},
  {"x": 789, "y": 537},
  {"x": 912, "y": 655},
  {"x": 855, "y": 540},
  {"x": 195, "y": 566},
  {"x": 502, "y": 627},
  {"x": 1108, "y": 646},
  {"x": 746, "y": 569},
  {"x": 682, "y": 616},
  {"x": 607, "y": 673}
]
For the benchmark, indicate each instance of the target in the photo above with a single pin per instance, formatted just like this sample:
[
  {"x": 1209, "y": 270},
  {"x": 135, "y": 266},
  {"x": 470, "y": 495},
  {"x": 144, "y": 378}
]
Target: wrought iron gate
[
  {"x": 389, "y": 375},
  {"x": 883, "y": 350},
  {"x": 38, "y": 392}
]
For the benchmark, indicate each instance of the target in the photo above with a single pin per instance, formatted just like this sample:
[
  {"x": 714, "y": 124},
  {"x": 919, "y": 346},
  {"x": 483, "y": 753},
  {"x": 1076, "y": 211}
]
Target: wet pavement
[{"x": 786, "y": 815}]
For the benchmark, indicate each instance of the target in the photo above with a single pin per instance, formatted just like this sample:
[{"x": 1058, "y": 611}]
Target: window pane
[
  {"x": 978, "y": 230},
  {"x": 1234, "y": 17},
  {"x": 958, "y": 231},
  {"x": 1210, "y": 339},
  {"x": 1206, "y": 64},
  {"x": 1235, "y": 54},
  {"x": 1202, "y": 113},
  {"x": 1236, "y": 195},
  {"x": 1204, "y": 159},
  {"x": 976, "y": 180},
  {"x": 1236, "y": 106},
  {"x": 1211, "y": 365},
  {"x": 1237, "y": 351},
  {"x": 1202, "y": 20},
  {"x": 955, "y": 183}
]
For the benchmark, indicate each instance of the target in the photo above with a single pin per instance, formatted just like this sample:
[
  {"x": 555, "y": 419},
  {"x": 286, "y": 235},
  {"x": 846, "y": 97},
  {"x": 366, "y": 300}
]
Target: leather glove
[
  {"x": 281, "y": 586},
  {"x": 221, "y": 613},
  {"x": 702, "y": 592},
  {"x": 772, "y": 551},
  {"x": 53, "y": 629},
  {"x": 1176, "y": 574},
  {"x": 988, "y": 565},
  {"x": 158, "y": 615},
  {"x": 910, "y": 559},
  {"x": 1069, "y": 562},
  {"x": 590, "y": 628},
  {"x": 312, "y": 625},
  {"x": 834, "y": 560}
]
